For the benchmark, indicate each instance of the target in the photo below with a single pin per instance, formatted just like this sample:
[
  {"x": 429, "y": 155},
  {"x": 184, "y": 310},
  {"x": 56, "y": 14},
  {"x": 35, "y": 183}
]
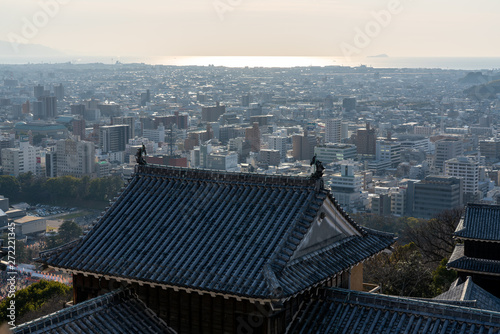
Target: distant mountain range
[
  {"x": 485, "y": 91},
  {"x": 27, "y": 50},
  {"x": 476, "y": 78}
]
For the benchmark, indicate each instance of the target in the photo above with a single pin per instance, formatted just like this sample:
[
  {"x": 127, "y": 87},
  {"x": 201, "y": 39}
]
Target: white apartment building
[
  {"x": 335, "y": 131},
  {"x": 416, "y": 143},
  {"x": 156, "y": 135},
  {"x": 278, "y": 143},
  {"x": 20, "y": 160},
  {"x": 389, "y": 151},
  {"x": 347, "y": 186},
  {"x": 447, "y": 149},
  {"x": 465, "y": 168},
  {"x": 76, "y": 158},
  {"x": 398, "y": 201},
  {"x": 335, "y": 152}
]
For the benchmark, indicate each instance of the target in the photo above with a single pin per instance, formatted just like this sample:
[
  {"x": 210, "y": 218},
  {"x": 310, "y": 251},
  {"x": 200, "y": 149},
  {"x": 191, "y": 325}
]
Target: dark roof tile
[
  {"x": 346, "y": 311},
  {"x": 215, "y": 231},
  {"x": 481, "y": 222},
  {"x": 468, "y": 291},
  {"x": 119, "y": 311},
  {"x": 459, "y": 261}
]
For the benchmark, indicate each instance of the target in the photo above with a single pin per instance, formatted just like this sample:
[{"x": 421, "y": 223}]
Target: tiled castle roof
[
  {"x": 346, "y": 311},
  {"x": 480, "y": 222},
  {"x": 119, "y": 311},
  {"x": 459, "y": 261},
  {"x": 470, "y": 293},
  {"x": 219, "y": 232}
]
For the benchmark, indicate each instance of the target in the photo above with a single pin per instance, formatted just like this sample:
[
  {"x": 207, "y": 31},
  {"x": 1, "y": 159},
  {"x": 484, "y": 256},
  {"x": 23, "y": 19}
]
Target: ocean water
[{"x": 453, "y": 63}]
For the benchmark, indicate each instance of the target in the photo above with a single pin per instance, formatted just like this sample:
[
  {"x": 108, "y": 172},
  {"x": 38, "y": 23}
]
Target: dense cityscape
[
  {"x": 390, "y": 139},
  {"x": 217, "y": 180}
]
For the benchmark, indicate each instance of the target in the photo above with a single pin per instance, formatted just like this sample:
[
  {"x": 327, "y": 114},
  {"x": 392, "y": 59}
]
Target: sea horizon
[{"x": 447, "y": 63}]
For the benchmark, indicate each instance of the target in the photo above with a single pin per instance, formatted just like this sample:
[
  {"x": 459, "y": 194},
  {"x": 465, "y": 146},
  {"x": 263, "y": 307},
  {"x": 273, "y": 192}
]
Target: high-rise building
[
  {"x": 26, "y": 107},
  {"x": 490, "y": 149},
  {"x": 59, "y": 92},
  {"x": 347, "y": 185},
  {"x": 303, "y": 146},
  {"x": 5, "y": 142},
  {"x": 366, "y": 140},
  {"x": 156, "y": 135},
  {"x": 335, "y": 131},
  {"x": 178, "y": 119},
  {"x": 51, "y": 162},
  {"x": 212, "y": 114},
  {"x": 76, "y": 158},
  {"x": 20, "y": 160},
  {"x": 130, "y": 121},
  {"x": 328, "y": 102},
  {"x": 38, "y": 112},
  {"x": 78, "y": 109},
  {"x": 38, "y": 91},
  {"x": 79, "y": 128},
  {"x": 388, "y": 150},
  {"x": 447, "y": 148},
  {"x": 245, "y": 100},
  {"x": 254, "y": 109},
  {"x": 423, "y": 130},
  {"x": 145, "y": 98},
  {"x": 113, "y": 138},
  {"x": 435, "y": 194},
  {"x": 467, "y": 169},
  {"x": 398, "y": 201},
  {"x": 253, "y": 136},
  {"x": 49, "y": 107},
  {"x": 278, "y": 143},
  {"x": 335, "y": 152},
  {"x": 269, "y": 157},
  {"x": 381, "y": 204}
]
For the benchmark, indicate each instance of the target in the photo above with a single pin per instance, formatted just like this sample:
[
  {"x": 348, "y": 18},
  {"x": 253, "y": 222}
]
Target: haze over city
[{"x": 328, "y": 28}]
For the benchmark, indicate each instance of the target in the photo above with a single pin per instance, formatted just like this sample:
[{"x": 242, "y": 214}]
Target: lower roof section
[
  {"x": 346, "y": 311},
  {"x": 119, "y": 311},
  {"x": 460, "y": 262},
  {"x": 468, "y": 292}
]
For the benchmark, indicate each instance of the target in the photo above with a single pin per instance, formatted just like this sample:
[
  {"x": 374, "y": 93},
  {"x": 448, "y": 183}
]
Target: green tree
[
  {"x": 9, "y": 186},
  {"x": 33, "y": 297},
  {"x": 26, "y": 182},
  {"x": 442, "y": 277},
  {"x": 84, "y": 187},
  {"x": 63, "y": 188},
  {"x": 97, "y": 190},
  {"x": 104, "y": 189},
  {"x": 69, "y": 231},
  {"x": 37, "y": 139},
  {"x": 434, "y": 238},
  {"x": 402, "y": 273}
]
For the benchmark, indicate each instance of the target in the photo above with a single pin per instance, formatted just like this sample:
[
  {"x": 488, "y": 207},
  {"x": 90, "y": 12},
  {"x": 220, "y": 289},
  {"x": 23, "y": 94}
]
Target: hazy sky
[{"x": 431, "y": 28}]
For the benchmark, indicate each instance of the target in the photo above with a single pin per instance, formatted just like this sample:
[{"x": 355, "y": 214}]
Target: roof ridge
[
  {"x": 59, "y": 249},
  {"x": 359, "y": 297},
  {"x": 293, "y": 238},
  {"x": 224, "y": 176},
  {"x": 80, "y": 307},
  {"x": 467, "y": 289}
]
